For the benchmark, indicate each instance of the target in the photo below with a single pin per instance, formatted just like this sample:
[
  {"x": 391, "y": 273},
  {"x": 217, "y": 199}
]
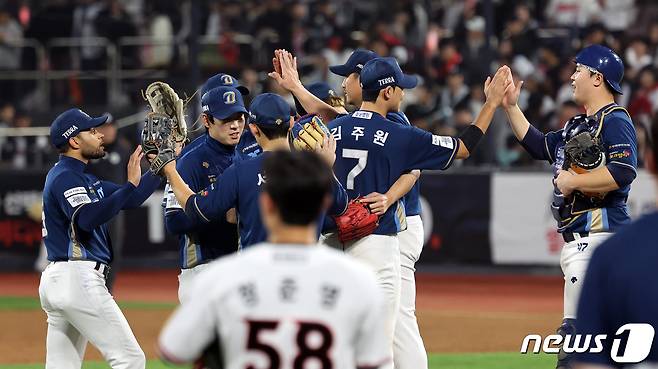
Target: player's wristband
[{"x": 471, "y": 137}]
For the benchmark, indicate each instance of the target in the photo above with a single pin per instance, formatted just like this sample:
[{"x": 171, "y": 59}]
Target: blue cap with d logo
[{"x": 222, "y": 102}]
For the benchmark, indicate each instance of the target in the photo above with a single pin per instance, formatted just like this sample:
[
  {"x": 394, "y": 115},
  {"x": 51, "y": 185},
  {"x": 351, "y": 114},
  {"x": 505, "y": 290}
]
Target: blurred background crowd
[{"x": 99, "y": 54}]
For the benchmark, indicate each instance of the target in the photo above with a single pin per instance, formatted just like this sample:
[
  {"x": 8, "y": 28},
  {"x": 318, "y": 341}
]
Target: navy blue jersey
[
  {"x": 620, "y": 287},
  {"x": 373, "y": 152},
  {"x": 412, "y": 198},
  {"x": 201, "y": 242},
  {"x": 239, "y": 188},
  {"x": 618, "y": 137},
  {"x": 77, "y": 206},
  {"x": 248, "y": 147}
]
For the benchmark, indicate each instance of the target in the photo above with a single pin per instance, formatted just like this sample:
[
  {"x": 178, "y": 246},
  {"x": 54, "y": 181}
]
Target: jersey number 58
[{"x": 319, "y": 351}]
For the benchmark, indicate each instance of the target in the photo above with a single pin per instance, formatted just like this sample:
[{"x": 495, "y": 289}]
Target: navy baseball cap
[
  {"x": 222, "y": 102},
  {"x": 354, "y": 63},
  {"x": 223, "y": 79},
  {"x": 269, "y": 110},
  {"x": 70, "y": 123},
  {"x": 383, "y": 72},
  {"x": 321, "y": 90}
]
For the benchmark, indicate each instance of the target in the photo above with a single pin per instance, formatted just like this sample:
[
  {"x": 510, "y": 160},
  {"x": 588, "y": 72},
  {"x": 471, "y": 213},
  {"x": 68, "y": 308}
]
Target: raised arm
[
  {"x": 286, "y": 75},
  {"x": 494, "y": 90}
]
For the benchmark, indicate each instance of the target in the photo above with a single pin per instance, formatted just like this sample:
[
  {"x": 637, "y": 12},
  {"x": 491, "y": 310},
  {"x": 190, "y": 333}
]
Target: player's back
[
  {"x": 292, "y": 304},
  {"x": 372, "y": 152}
]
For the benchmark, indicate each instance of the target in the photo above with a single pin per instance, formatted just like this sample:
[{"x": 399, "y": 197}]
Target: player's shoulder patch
[
  {"x": 362, "y": 114},
  {"x": 76, "y": 196},
  {"x": 444, "y": 141}
]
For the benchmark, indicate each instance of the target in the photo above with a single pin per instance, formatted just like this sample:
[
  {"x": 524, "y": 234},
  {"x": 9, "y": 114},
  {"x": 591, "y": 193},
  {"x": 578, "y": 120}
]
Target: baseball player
[
  {"x": 373, "y": 152},
  {"x": 240, "y": 184},
  {"x": 409, "y": 350},
  {"x": 591, "y": 205},
  {"x": 224, "y": 118},
  {"x": 615, "y": 294},
  {"x": 76, "y": 209},
  {"x": 287, "y": 303},
  {"x": 245, "y": 148}
]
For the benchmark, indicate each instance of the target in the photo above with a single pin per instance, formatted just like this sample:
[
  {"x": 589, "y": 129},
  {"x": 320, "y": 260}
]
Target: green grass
[
  {"x": 32, "y": 303},
  {"x": 502, "y": 360}
]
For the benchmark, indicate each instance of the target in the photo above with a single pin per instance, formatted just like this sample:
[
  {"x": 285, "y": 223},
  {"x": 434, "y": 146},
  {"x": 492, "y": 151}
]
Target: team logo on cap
[
  {"x": 229, "y": 97},
  {"x": 360, "y": 66},
  {"x": 386, "y": 80},
  {"x": 227, "y": 80},
  {"x": 69, "y": 131},
  {"x": 278, "y": 121}
]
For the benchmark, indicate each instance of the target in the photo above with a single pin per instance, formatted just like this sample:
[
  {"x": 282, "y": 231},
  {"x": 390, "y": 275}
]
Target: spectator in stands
[
  {"x": 113, "y": 22},
  {"x": 11, "y": 37},
  {"x": 570, "y": 13}
]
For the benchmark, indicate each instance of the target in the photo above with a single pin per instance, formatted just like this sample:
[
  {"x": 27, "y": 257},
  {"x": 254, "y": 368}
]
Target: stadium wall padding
[{"x": 499, "y": 218}]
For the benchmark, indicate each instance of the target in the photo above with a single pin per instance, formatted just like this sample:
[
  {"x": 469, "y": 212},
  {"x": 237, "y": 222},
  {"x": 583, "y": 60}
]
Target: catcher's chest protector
[{"x": 565, "y": 212}]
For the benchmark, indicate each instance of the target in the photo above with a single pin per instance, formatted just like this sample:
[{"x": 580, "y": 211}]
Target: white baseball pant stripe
[
  {"x": 186, "y": 282},
  {"x": 80, "y": 308},
  {"x": 408, "y": 349},
  {"x": 382, "y": 254},
  {"x": 574, "y": 259}
]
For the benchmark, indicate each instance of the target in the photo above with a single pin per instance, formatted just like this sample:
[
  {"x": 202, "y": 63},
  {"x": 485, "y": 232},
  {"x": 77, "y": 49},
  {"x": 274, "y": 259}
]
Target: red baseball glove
[{"x": 356, "y": 222}]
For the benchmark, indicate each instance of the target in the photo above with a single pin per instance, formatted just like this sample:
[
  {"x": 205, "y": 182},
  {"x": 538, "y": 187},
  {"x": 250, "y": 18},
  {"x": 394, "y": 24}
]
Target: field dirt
[{"x": 456, "y": 313}]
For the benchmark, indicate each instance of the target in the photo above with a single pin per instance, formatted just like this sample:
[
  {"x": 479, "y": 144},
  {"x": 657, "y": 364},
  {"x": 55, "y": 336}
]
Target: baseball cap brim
[
  {"x": 342, "y": 70},
  {"x": 93, "y": 123},
  {"x": 225, "y": 113},
  {"x": 408, "y": 81},
  {"x": 243, "y": 90}
]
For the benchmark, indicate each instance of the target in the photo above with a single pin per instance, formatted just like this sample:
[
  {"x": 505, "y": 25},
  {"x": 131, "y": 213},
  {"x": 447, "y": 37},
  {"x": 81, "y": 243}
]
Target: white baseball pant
[
  {"x": 574, "y": 260},
  {"x": 80, "y": 308},
  {"x": 382, "y": 254},
  {"x": 408, "y": 349},
  {"x": 186, "y": 281}
]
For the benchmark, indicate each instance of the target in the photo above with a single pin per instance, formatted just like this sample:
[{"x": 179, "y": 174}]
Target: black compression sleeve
[{"x": 471, "y": 137}]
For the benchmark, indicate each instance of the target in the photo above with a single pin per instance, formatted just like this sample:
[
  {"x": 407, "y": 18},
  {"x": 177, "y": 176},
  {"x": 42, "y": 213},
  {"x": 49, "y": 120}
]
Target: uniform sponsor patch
[
  {"x": 75, "y": 191},
  {"x": 76, "y": 200},
  {"x": 444, "y": 141},
  {"x": 362, "y": 114},
  {"x": 620, "y": 154}
]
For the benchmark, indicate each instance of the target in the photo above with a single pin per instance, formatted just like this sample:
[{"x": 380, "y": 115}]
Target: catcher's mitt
[
  {"x": 158, "y": 139},
  {"x": 583, "y": 153},
  {"x": 356, "y": 222},
  {"x": 307, "y": 133},
  {"x": 164, "y": 100}
]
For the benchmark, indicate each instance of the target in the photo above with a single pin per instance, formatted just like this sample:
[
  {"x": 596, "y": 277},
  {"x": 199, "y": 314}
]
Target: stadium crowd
[{"x": 451, "y": 45}]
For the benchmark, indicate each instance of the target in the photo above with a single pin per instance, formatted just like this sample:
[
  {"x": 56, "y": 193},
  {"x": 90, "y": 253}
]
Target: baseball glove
[
  {"x": 584, "y": 153},
  {"x": 158, "y": 139},
  {"x": 307, "y": 133},
  {"x": 164, "y": 100},
  {"x": 356, "y": 222}
]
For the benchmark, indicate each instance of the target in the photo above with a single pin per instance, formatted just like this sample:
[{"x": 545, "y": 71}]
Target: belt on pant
[
  {"x": 103, "y": 268},
  {"x": 572, "y": 236}
]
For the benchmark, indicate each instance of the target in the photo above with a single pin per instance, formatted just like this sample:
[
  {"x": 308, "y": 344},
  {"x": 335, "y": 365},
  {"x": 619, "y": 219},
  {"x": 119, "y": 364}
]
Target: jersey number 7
[
  {"x": 319, "y": 351},
  {"x": 362, "y": 156}
]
